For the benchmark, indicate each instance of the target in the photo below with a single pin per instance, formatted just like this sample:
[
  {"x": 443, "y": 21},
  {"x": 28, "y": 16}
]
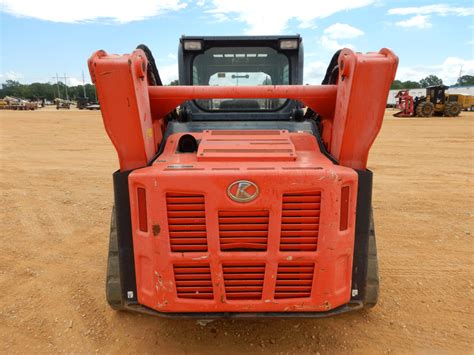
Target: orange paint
[
  {"x": 291, "y": 225},
  {"x": 255, "y": 221},
  {"x": 351, "y": 117}
]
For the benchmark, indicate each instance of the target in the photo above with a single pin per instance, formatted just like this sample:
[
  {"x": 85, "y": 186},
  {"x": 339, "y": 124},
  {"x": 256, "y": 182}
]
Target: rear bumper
[{"x": 350, "y": 307}]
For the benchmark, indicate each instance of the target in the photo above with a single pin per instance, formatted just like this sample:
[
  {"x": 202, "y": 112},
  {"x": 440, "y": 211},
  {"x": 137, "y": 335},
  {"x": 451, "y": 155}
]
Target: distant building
[{"x": 466, "y": 90}]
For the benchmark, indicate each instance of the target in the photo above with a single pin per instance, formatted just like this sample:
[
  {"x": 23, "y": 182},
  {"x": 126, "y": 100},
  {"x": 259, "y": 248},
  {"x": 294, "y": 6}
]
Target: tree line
[
  {"x": 48, "y": 91},
  {"x": 430, "y": 80}
]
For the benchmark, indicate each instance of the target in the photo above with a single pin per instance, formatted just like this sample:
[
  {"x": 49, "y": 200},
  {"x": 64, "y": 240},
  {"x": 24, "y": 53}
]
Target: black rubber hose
[
  {"x": 152, "y": 71},
  {"x": 332, "y": 71}
]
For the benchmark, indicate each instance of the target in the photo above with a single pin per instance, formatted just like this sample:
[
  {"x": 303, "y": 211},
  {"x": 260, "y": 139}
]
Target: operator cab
[
  {"x": 240, "y": 61},
  {"x": 436, "y": 93}
]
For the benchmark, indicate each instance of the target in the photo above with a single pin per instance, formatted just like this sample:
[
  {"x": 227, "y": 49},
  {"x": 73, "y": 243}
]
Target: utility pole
[
  {"x": 65, "y": 86},
  {"x": 460, "y": 75},
  {"x": 57, "y": 84},
  {"x": 83, "y": 84}
]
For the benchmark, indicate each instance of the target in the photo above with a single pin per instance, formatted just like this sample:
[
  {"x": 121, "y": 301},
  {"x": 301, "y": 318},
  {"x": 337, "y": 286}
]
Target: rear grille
[
  {"x": 186, "y": 222},
  {"x": 294, "y": 280},
  {"x": 244, "y": 281},
  {"x": 300, "y": 221},
  {"x": 243, "y": 230},
  {"x": 193, "y": 281}
]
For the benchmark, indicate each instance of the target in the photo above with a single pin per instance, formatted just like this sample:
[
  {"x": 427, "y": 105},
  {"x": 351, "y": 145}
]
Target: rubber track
[
  {"x": 372, "y": 291},
  {"x": 113, "y": 288}
]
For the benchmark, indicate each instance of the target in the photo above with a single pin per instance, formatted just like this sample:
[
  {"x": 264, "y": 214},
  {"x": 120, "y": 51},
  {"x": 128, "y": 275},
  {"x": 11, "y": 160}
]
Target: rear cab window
[{"x": 241, "y": 66}]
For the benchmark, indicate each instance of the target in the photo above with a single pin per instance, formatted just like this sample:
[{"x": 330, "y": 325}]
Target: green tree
[
  {"x": 41, "y": 90},
  {"x": 396, "y": 85},
  {"x": 49, "y": 91},
  {"x": 13, "y": 88},
  {"x": 411, "y": 85},
  {"x": 430, "y": 80},
  {"x": 10, "y": 84},
  {"x": 465, "y": 80},
  {"x": 174, "y": 83}
]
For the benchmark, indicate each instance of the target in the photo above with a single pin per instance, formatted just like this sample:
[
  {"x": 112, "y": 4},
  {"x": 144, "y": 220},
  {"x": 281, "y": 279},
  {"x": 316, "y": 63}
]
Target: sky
[{"x": 42, "y": 38}]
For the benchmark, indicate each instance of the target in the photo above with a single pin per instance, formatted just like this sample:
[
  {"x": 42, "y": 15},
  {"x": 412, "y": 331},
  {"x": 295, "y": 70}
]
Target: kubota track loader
[{"x": 231, "y": 198}]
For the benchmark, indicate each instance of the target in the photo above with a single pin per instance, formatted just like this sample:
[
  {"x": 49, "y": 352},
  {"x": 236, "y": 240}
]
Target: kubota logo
[{"x": 242, "y": 191}]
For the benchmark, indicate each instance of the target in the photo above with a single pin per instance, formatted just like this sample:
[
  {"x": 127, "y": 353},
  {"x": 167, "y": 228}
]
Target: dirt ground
[{"x": 56, "y": 189}]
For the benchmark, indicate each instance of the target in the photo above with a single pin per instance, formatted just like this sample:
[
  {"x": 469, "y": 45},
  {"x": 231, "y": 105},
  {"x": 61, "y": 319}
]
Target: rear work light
[
  {"x": 289, "y": 44},
  {"x": 192, "y": 45}
]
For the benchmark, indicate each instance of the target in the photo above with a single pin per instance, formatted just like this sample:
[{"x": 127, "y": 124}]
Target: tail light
[
  {"x": 142, "y": 212},
  {"x": 344, "y": 213}
]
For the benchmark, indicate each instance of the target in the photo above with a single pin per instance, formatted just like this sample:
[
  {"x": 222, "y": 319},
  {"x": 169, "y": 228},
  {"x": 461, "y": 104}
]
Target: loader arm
[{"x": 134, "y": 112}]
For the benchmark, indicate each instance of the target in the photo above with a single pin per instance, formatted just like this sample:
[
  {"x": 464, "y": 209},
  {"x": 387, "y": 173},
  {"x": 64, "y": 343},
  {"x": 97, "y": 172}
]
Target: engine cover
[{"x": 254, "y": 221}]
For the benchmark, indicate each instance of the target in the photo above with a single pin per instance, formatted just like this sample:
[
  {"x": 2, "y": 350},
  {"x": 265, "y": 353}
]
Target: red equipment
[
  {"x": 405, "y": 104},
  {"x": 254, "y": 220}
]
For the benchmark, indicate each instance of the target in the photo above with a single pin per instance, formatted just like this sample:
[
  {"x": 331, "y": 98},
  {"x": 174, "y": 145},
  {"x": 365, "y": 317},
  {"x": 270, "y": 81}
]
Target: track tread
[
  {"x": 113, "y": 289},
  {"x": 372, "y": 291}
]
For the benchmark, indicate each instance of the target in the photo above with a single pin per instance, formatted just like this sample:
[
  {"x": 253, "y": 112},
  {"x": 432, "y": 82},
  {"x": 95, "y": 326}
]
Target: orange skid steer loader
[{"x": 242, "y": 192}]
